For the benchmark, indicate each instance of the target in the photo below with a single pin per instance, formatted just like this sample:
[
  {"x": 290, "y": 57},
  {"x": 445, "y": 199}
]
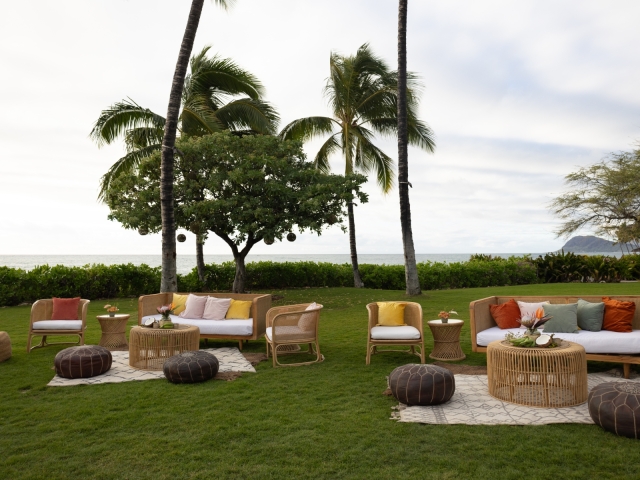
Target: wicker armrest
[
  {"x": 480, "y": 317},
  {"x": 259, "y": 309},
  {"x": 147, "y": 304}
]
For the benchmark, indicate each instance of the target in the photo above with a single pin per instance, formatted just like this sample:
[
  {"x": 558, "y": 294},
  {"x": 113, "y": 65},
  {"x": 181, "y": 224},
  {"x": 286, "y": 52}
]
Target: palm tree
[
  {"x": 363, "y": 94},
  {"x": 410, "y": 269},
  {"x": 210, "y": 103}
]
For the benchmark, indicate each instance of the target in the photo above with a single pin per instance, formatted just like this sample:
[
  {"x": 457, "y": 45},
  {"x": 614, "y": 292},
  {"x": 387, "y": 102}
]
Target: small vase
[
  {"x": 444, "y": 320},
  {"x": 112, "y": 314},
  {"x": 533, "y": 334}
]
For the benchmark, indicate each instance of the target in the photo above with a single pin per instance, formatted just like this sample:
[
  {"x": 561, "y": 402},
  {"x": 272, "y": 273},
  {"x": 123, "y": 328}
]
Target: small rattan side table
[
  {"x": 446, "y": 340},
  {"x": 149, "y": 348},
  {"x": 114, "y": 331},
  {"x": 537, "y": 377}
]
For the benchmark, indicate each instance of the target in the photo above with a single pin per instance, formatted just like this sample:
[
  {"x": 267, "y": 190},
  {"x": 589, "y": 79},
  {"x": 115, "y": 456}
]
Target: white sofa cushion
[
  {"x": 214, "y": 327},
  {"x": 57, "y": 325},
  {"x": 404, "y": 332},
  {"x": 603, "y": 341}
]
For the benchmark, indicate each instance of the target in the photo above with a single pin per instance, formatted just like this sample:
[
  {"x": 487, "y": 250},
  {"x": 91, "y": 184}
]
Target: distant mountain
[{"x": 591, "y": 244}]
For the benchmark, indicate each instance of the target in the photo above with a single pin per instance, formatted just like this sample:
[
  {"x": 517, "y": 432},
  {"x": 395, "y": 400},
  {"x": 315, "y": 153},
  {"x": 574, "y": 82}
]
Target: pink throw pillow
[
  {"x": 195, "y": 307},
  {"x": 65, "y": 308},
  {"x": 216, "y": 308}
]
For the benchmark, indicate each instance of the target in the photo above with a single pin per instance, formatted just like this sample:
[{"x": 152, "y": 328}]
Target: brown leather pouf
[
  {"x": 5, "y": 346},
  {"x": 82, "y": 361},
  {"x": 416, "y": 384},
  {"x": 191, "y": 367},
  {"x": 615, "y": 406}
]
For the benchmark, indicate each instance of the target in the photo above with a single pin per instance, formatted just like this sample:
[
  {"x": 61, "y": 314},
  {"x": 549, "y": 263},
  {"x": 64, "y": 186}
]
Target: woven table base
[
  {"x": 5, "y": 346},
  {"x": 446, "y": 340},
  {"x": 114, "y": 332},
  {"x": 149, "y": 348},
  {"x": 537, "y": 377}
]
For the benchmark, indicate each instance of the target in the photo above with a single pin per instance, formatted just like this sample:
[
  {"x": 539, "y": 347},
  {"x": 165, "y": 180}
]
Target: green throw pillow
[
  {"x": 590, "y": 315},
  {"x": 565, "y": 318}
]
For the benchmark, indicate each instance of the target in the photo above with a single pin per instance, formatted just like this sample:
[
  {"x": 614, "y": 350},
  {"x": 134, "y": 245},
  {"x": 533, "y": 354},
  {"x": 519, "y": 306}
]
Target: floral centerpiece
[
  {"x": 166, "y": 311},
  {"x": 532, "y": 337},
  {"x": 444, "y": 315},
  {"x": 111, "y": 309},
  {"x": 533, "y": 322}
]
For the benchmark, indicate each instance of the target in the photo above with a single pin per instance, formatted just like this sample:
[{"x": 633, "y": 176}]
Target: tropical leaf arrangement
[
  {"x": 532, "y": 341},
  {"x": 537, "y": 320}
]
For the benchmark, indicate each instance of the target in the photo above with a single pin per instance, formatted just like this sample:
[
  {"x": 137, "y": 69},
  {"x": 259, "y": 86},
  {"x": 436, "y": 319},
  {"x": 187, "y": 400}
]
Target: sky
[{"x": 518, "y": 94}]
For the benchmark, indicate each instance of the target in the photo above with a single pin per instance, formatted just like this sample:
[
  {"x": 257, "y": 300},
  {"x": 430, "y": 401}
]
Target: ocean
[{"x": 186, "y": 263}]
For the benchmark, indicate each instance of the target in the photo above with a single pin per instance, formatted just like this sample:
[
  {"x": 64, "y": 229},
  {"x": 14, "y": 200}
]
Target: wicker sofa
[
  {"x": 232, "y": 329},
  {"x": 602, "y": 346}
]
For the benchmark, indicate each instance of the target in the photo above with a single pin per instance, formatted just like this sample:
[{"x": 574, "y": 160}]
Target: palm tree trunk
[
  {"x": 357, "y": 281},
  {"x": 200, "y": 257},
  {"x": 169, "y": 282},
  {"x": 410, "y": 268}
]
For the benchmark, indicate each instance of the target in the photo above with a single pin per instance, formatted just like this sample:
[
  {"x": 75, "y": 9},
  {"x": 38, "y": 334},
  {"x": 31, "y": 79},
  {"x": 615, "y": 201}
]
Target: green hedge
[{"x": 100, "y": 281}]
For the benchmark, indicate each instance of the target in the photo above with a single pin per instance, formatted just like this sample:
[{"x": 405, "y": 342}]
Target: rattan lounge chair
[
  {"x": 410, "y": 334},
  {"x": 290, "y": 326},
  {"x": 42, "y": 325}
]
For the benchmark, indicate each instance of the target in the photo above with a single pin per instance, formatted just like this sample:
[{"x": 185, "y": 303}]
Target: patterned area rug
[
  {"x": 471, "y": 404},
  {"x": 231, "y": 362}
]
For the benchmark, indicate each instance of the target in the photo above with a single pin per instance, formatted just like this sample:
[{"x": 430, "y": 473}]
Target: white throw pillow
[
  {"x": 195, "y": 307},
  {"x": 529, "y": 309},
  {"x": 216, "y": 308},
  {"x": 306, "y": 319}
]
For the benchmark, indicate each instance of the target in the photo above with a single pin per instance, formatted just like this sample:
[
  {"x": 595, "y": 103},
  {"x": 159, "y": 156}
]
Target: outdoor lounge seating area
[{"x": 229, "y": 411}]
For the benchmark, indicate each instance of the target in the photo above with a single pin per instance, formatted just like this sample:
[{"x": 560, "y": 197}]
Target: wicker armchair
[
  {"x": 42, "y": 325},
  {"x": 290, "y": 326},
  {"x": 410, "y": 334}
]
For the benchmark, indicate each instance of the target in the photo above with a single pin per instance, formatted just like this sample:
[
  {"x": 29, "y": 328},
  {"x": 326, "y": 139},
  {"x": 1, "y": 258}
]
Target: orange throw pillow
[
  {"x": 65, "y": 308},
  {"x": 618, "y": 316},
  {"x": 506, "y": 315}
]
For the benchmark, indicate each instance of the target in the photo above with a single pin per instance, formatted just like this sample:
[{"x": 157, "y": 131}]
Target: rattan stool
[
  {"x": 114, "y": 332},
  {"x": 537, "y": 377},
  {"x": 5, "y": 346},
  {"x": 149, "y": 348},
  {"x": 446, "y": 340}
]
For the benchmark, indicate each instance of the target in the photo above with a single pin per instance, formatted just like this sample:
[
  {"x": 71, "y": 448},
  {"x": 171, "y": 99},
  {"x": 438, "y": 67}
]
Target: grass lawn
[{"x": 328, "y": 420}]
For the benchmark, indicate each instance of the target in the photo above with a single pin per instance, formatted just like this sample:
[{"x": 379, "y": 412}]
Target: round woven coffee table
[
  {"x": 446, "y": 340},
  {"x": 149, "y": 348},
  {"x": 114, "y": 332},
  {"x": 537, "y": 377}
]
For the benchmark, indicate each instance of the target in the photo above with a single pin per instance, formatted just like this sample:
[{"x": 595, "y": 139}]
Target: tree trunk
[
  {"x": 169, "y": 275},
  {"x": 410, "y": 268},
  {"x": 200, "y": 257},
  {"x": 357, "y": 281},
  {"x": 239, "y": 282}
]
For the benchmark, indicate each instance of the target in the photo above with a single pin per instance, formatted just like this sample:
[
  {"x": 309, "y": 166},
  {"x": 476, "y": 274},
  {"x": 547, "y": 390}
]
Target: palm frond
[
  {"x": 120, "y": 117},
  {"x": 369, "y": 157},
  {"x": 244, "y": 113},
  {"x": 123, "y": 166},
  {"x": 326, "y": 150},
  {"x": 141, "y": 137},
  {"x": 197, "y": 119},
  {"x": 307, "y": 128}
]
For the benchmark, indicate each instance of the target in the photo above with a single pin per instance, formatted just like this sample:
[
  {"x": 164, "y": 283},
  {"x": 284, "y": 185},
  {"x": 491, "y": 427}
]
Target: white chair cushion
[
  {"x": 289, "y": 332},
  {"x": 237, "y": 327},
  {"x": 57, "y": 325},
  {"x": 604, "y": 341},
  {"x": 404, "y": 332}
]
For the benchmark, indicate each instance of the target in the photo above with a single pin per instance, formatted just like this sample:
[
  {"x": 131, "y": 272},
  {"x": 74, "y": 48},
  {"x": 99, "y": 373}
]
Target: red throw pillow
[
  {"x": 618, "y": 316},
  {"x": 506, "y": 315},
  {"x": 65, "y": 308}
]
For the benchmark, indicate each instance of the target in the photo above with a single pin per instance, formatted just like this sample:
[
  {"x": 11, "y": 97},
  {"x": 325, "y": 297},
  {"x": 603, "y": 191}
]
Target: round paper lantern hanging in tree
[
  {"x": 181, "y": 238},
  {"x": 291, "y": 237}
]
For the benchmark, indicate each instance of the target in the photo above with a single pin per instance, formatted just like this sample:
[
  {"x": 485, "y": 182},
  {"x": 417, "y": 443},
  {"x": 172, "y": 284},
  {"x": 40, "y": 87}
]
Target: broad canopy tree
[
  {"x": 242, "y": 189},
  {"x": 605, "y": 197}
]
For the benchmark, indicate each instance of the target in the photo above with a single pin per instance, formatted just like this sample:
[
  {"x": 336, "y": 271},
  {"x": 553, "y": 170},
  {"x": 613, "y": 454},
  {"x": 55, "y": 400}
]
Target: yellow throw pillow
[
  {"x": 239, "y": 309},
  {"x": 391, "y": 314},
  {"x": 179, "y": 302}
]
